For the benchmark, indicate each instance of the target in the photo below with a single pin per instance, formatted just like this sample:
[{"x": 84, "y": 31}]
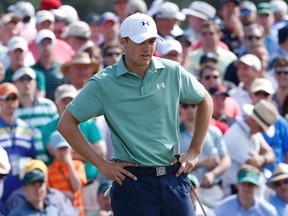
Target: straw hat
[
  {"x": 280, "y": 173},
  {"x": 264, "y": 113},
  {"x": 80, "y": 58}
]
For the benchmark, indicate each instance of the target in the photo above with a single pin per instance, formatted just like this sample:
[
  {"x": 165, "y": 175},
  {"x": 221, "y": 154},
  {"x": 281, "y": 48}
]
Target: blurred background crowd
[{"x": 237, "y": 49}]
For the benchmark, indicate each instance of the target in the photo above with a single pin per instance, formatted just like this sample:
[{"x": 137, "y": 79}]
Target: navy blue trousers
[{"x": 166, "y": 195}]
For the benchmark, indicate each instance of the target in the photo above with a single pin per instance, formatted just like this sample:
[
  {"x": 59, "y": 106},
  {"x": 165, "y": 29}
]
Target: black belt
[{"x": 154, "y": 171}]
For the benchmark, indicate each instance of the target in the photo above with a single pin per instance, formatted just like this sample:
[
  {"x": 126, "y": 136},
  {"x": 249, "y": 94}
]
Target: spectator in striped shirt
[{"x": 35, "y": 110}]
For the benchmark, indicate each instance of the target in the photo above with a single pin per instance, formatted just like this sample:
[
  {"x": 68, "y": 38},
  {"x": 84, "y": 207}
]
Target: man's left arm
[{"x": 202, "y": 121}]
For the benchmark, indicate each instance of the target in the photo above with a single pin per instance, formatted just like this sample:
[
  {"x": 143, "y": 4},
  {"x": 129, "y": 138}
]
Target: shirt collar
[{"x": 121, "y": 68}]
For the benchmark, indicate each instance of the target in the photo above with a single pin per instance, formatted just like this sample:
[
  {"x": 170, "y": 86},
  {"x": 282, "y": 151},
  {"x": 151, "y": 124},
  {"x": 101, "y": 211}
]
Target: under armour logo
[
  {"x": 160, "y": 85},
  {"x": 145, "y": 24}
]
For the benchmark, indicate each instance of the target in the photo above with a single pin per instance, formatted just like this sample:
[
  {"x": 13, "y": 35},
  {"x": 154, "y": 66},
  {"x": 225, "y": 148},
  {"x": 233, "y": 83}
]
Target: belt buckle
[{"x": 160, "y": 171}]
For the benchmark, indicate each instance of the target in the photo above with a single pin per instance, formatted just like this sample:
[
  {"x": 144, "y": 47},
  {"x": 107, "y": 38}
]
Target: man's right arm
[{"x": 68, "y": 127}]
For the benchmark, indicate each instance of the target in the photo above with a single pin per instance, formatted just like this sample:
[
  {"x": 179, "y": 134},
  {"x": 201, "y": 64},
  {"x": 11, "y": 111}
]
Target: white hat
[
  {"x": 23, "y": 71},
  {"x": 251, "y": 60},
  {"x": 4, "y": 162},
  {"x": 280, "y": 173},
  {"x": 65, "y": 91},
  {"x": 262, "y": 84},
  {"x": 169, "y": 45},
  {"x": 169, "y": 10},
  {"x": 264, "y": 113},
  {"x": 22, "y": 9},
  {"x": 136, "y": 6},
  {"x": 9, "y": 17},
  {"x": 58, "y": 141},
  {"x": 17, "y": 42},
  {"x": 139, "y": 27},
  {"x": 44, "y": 33},
  {"x": 77, "y": 29},
  {"x": 279, "y": 6},
  {"x": 200, "y": 9},
  {"x": 44, "y": 15},
  {"x": 67, "y": 13}
]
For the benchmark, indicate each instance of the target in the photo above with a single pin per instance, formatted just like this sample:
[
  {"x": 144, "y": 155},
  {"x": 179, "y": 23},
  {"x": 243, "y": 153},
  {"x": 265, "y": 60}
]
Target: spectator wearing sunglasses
[
  {"x": 279, "y": 183},
  {"x": 210, "y": 37},
  {"x": 262, "y": 88},
  {"x": 111, "y": 53},
  {"x": 210, "y": 76},
  {"x": 16, "y": 137},
  {"x": 281, "y": 77},
  {"x": 247, "y": 12},
  {"x": 213, "y": 161}
]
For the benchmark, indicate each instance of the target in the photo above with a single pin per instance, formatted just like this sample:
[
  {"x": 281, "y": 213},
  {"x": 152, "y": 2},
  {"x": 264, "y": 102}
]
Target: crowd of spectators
[{"x": 240, "y": 55}]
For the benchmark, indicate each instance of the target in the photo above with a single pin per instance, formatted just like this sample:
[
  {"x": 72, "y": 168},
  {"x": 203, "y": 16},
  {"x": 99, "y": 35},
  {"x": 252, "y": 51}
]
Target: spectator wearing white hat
[
  {"x": 26, "y": 12},
  {"x": 4, "y": 171},
  {"x": 168, "y": 18},
  {"x": 280, "y": 10},
  {"x": 11, "y": 26},
  {"x": 196, "y": 14},
  {"x": 171, "y": 49},
  {"x": 262, "y": 88},
  {"x": 19, "y": 56},
  {"x": 77, "y": 35},
  {"x": 247, "y": 12},
  {"x": 248, "y": 69},
  {"x": 35, "y": 110},
  {"x": 62, "y": 51},
  {"x": 45, "y": 43},
  {"x": 64, "y": 15}
]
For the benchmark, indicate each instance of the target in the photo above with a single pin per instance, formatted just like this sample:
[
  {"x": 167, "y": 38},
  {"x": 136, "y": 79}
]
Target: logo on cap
[{"x": 145, "y": 24}]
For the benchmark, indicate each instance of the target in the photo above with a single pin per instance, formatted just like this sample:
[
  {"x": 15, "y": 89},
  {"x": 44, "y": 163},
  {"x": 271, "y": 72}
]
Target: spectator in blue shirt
[
  {"x": 245, "y": 202},
  {"x": 279, "y": 183}
]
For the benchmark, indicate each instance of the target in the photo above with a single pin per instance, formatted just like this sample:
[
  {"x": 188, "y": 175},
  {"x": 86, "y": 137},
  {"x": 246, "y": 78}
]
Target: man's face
[
  {"x": 9, "y": 105},
  {"x": 210, "y": 78},
  {"x": 281, "y": 189},
  {"x": 246, "y": 190},
  {"x": 17, "y": 57},
  {"x": 26, "y": 86},
  {"x": 281, "y": 76},
  {"x": 209, "y": 36},
  {"x": 245, "y": 73},
  {"x": 219, "y": 105},
  {"x": 138, "y": 55},
  {"x": 36, "y": 192}
]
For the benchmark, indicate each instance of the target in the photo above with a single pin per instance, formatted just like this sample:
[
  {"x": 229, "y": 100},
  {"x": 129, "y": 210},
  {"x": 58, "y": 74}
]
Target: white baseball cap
[
  {"x": 77, "y": 29},
  {"x": 170, "y": 45},
  {"x": 200, "y": 9},
  {"x": 44, "y": 15},
  {"x": 251, "y": 60},
  {"x": 17, "y": 42},
  {"x": 139, "y": 27},
  {"x": 44, "y": 33},
  {"x": 262, "y": 84},
  {"x": 24, "y": 71},
  {"x": 170, "y": 10}
]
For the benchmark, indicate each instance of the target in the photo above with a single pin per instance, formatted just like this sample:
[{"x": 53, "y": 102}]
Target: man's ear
[{"x": 123, "y": 41}]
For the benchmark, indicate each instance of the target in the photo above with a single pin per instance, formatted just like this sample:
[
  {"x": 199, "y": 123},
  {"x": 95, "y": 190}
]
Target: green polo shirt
[{"x": 142, "y": 114}]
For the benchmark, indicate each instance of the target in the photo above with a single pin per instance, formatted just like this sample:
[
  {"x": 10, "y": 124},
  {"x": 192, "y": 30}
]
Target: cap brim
[
  {"x": 277, "y": 178},
  {"x": 190, "y": 12},
  {"x": 248, "y": 179},
  {"x": 143, "y": 37}
]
